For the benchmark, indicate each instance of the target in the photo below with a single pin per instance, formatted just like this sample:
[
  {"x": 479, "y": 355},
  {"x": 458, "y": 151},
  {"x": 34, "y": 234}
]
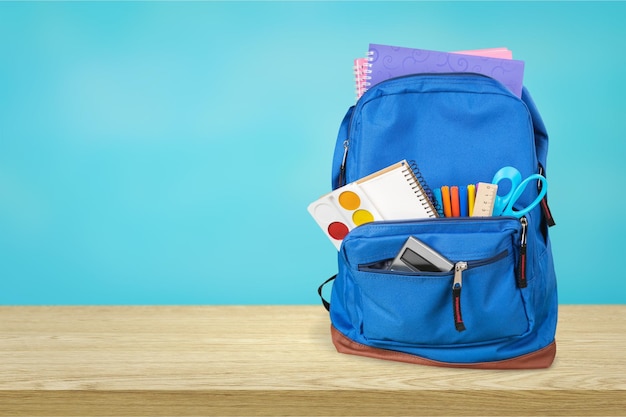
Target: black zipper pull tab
[
  {"x": 547, "y": 212},
  {"x": 544, "y": 202},
  {"x": 521, "y": 268},
  {"x": 342, "y": 169},
  {"x": 457, "y": 284}
]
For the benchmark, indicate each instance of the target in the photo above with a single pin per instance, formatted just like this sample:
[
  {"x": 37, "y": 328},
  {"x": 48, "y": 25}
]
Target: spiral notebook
[
  {"x": 361, "y": 75},
  {"x": 385, "y": 61},
  {"x": 394, "y": 193}
]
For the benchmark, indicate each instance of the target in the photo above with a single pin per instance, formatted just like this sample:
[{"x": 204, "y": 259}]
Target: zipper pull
[
  {"x": 521, "y": 268},
  {"x": 547, "y": 212},
  {"x": 457, "y": 284},
  {"x": 544, "y": 202},
  {"x": 342, "y": 169}
]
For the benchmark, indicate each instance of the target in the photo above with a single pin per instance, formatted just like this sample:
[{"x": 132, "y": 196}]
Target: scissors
[{"x": 503, "y": 205}]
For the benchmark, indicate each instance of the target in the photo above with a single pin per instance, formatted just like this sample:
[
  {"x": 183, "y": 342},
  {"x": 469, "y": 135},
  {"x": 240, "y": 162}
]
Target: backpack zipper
[
  {"x": 522, "y": 282},
  {"x": 457, "y": 284},
  {"x": 342, "y": 168}
]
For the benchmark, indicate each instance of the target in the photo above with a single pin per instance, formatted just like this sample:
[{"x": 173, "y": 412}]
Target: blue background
[{"x": 165, "y": 153}]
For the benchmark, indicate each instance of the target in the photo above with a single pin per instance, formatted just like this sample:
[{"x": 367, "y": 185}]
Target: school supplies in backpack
[
  {"x": 497, "y": 306},
  {"x": 393, "y": 193}
]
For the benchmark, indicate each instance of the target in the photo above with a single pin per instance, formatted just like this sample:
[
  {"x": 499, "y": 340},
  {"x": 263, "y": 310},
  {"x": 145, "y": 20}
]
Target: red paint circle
[{"x": 337, "y": 230}]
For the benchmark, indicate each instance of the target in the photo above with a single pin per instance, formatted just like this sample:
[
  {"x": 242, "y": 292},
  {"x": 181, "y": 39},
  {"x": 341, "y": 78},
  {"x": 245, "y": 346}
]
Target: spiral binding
[
  {"x": 426, "y": 198},
  {"x": 362, "y": 76}
]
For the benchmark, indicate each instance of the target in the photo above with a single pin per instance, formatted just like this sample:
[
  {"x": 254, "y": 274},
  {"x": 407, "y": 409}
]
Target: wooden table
[{"x": 279, "y": 360}]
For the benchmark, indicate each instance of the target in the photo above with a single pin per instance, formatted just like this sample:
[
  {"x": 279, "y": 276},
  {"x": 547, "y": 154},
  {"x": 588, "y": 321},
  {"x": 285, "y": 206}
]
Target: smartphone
[{"x": 416, "y": 256}]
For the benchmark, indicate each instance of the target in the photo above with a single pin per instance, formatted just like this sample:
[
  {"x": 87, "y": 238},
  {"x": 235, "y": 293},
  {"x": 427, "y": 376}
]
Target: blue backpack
[{"x": 499, "y": 310}]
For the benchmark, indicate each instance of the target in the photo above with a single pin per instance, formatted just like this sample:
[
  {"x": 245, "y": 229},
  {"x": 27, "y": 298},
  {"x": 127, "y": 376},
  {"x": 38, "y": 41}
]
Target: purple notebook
[{"x": 391, "y": 61}]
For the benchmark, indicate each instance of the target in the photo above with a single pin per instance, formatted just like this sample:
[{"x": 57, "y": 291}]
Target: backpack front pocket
[{"x": 477, "y": 302}]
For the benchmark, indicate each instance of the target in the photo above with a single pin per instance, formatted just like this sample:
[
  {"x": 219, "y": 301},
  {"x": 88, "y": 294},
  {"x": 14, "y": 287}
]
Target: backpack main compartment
[{"x": 459, "y": 129}]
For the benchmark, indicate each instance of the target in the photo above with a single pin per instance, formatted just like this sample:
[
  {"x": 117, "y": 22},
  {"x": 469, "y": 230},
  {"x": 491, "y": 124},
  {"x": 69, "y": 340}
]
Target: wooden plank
[{"x": 278, "y": 360}]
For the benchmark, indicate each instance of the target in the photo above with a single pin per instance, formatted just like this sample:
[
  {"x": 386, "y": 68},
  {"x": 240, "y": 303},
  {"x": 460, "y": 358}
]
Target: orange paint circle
[{"x": 349, "y": 200}]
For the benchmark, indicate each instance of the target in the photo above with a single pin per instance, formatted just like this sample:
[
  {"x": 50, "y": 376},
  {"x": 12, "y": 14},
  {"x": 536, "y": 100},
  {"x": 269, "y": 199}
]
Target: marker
[
  {"x": 445, "y": 199},
  {"x": 454, "y": 201},
  {"x": 439, "y": 201},
  {"x": 471, "y": 198},
  {"x": 463, "y": 203}
]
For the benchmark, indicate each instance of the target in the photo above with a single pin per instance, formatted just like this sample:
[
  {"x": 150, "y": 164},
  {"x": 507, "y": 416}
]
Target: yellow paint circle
[
  {"x": 349, "y": 200},
  {"x": 360, "y": 217}
]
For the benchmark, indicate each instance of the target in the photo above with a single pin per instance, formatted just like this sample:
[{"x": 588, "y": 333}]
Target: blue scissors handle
[{"x": 503, "y": 205}]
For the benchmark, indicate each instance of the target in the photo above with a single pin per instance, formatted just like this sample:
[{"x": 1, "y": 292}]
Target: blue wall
[{"x": 165, "y": 153}]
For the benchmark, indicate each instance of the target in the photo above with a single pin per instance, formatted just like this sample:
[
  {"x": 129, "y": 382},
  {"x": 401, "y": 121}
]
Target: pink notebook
[
  {"x": 361, "y": 75},
  {"x": 502, "y": 53}
]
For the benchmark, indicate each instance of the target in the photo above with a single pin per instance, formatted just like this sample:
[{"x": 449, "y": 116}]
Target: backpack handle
[{"x": 325, "y": 303}]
